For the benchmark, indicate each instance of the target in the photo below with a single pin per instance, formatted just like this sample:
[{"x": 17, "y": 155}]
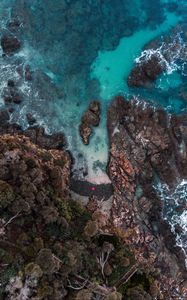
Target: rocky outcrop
[
  {"x": 36, "y": 134},
  {"x": 11, "y": 93},
  {"x": 146, "y": 72},
  {"x": 90, "y": 118},
  {"x": 146, "y": 144},
  {"x": 10, "y": 44},
  {"x": 159, "y": 55}
]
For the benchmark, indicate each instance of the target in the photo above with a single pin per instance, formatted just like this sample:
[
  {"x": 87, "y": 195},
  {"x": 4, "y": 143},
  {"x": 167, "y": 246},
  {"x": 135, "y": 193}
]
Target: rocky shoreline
[{"x": 143, "y": 143}]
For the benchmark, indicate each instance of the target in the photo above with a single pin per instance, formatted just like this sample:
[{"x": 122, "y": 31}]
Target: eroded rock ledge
[{"x": 145, "y": 142}]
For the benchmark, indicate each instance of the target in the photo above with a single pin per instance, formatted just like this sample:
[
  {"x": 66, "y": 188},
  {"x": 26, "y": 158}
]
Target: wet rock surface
[
  {"x": 4, "y": 116},
  {"x": 10, "y": 44},
  {"x": 36, "y": 134},
  {"x": 158, "y": 56},
  {"x": 145, "y": 142},
  {"x": 146, "y": 72},
  {"x": 91, "y": 118}
]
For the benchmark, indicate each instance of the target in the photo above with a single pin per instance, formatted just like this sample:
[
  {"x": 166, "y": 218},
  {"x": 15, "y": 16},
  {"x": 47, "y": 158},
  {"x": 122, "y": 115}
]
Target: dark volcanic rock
[
  {"x": 28, "y": 73},
  {"x": 145, "y": 142},
  {"x": 14, "y": 24},
  {"x": 31, "y": 120},
  {"x": 10, "y": 44},
  {"x": 4, "y": 116},
  {"x": 146, "y": 72},
  {"x": 90, "y": 118},
  {"x": 36, "y": 134}
]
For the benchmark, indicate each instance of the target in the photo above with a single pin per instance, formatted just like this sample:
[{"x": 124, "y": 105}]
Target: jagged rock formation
[
  {"x": 146, "y": 72},
  {"x": 90, "y": 118},
  {"x": 10, "y": 44},
  {"x": 158, "y": 56},
  {"x": 145, "y": 142}
]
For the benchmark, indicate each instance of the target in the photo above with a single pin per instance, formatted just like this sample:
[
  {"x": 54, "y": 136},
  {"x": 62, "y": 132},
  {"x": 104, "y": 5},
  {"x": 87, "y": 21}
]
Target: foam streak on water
[
  {"x": 171, "y": 62},
  {"x": 112, "y": 68},
  {"x": 175, "y": 203}
]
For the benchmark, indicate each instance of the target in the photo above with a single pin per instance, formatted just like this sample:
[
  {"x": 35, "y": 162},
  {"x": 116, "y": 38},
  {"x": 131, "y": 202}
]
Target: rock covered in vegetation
[
  {"x": 146, "y": 72},
  {"x": 10, "y": 44},
  {"x": 36, "y": 134},
  {"x": 51, "y": 247}
]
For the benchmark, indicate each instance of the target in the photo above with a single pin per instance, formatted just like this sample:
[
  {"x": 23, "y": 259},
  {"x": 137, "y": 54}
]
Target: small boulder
[
  {"x": 90, "y": 118},
  {"x": 10, "y": 44},
  {"x": 4, "y": 116},
  {"x": 30, "y": 119}
]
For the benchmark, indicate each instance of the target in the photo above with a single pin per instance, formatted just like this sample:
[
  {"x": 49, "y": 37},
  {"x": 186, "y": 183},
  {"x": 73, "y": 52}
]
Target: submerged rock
[
  {"x": 90, "y": 118},
  {"x": 31, "y": 119},
  {"x": 36, "y": 134},
  {"x": 10, "y": 44}
]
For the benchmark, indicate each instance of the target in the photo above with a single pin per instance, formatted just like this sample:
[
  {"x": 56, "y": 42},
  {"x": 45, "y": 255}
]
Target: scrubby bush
[{"x": 6, "y": 194}]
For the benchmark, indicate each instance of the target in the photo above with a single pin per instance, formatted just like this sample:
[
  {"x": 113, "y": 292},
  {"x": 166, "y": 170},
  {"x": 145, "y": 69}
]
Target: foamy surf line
[{"x": 175, "y": 203}]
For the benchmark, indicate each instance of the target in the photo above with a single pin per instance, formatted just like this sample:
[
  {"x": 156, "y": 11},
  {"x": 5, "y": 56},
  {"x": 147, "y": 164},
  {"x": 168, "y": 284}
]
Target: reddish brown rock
[
  {"x": 144, "y": 142},
  {"x": 146, "y": 72},
  {"x": 90, "y": 118}
]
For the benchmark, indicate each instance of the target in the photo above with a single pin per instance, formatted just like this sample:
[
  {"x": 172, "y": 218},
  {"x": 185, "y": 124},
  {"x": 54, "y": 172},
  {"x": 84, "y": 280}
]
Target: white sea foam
[
  {"x": 168, "y": 54},
  {"x": 172, "y": 201}
]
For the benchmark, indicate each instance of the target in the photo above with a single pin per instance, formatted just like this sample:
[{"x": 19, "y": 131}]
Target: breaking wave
[
  {"x": 175, "y": 212},
  {"x": 172, "y": 56}
]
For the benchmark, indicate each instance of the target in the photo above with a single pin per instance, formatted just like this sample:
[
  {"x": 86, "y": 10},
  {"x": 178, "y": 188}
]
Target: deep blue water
[{"x": 81, "y": 50}]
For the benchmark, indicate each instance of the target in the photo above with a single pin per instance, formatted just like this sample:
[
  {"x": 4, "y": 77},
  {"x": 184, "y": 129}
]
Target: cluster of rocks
[
  {"x": 10, "y": 44},
  {"x": 145, "y": 143},
  {"x": 89, "y": 119},
  {"x": 146, "y": 72},
  {"x": 158, "y": 56},
  {"x": 35, "y": 133}
]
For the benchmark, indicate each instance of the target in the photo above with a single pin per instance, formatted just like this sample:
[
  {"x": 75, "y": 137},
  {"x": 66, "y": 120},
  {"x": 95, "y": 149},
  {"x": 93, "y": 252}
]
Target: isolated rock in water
[
  {"x": 11, "y": 94},
  {"x": 31, "y": 120},
  {"x": 85, "y": 133},
  {"x": 14, "y": 24},
  {"x": 146, "y": 72},
  {"x": 28, "y": 73},
  {"x": 10, "y": 44},
  {"x": 4, "y": 116},
  {"x": 90, "y": 118}
]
